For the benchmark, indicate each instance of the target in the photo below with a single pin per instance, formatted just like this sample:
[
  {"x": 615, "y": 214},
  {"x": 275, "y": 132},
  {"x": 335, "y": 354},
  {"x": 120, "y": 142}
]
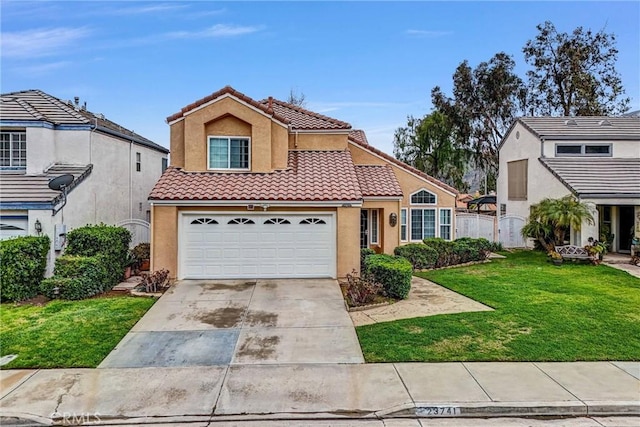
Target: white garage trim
[
  {"x": 13, "y": 226},
  {"x": 290, "y": 244}
]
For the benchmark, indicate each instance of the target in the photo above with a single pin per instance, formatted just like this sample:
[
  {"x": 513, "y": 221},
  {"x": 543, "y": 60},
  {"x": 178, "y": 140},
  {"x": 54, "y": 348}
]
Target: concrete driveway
[{"x": 207, "y": 323}]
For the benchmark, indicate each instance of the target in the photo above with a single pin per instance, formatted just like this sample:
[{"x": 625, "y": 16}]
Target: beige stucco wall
[
  {"x": 279, "y": 149},
  {"x": 317, "y": 141},
  {"x": 409, "y": 183},
  {"x": 229, "y": 116},
  {"x": 164, "y": 239},
  {"x": 348, "y": 235},
  {"x": 389, "y": 236},
  {"x": 176, "y": 136}
]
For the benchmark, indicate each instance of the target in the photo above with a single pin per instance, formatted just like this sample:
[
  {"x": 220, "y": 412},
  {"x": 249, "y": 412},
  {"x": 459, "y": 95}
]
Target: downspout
[
  {"x": 93, "y": 129},
  {"x": 130, "y": 179},
  {"x": 541, "y": 147}
]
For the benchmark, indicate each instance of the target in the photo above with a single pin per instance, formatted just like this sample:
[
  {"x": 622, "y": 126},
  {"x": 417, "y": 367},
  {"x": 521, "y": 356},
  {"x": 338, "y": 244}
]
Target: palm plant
[{"x": 550, "y": 218}]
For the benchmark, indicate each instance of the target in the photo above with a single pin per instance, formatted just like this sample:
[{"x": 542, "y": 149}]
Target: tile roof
[
  {"x": 597, "y": 177},
  {"x": 35, "y": 105},
  {"x": 403, "y": 165},
  {"x": 359, "y": 136},
  {"x": 303, "y": 119},
  {"x": 594, "y": 127},
  {"x": 227, "y": 90},
  {"x": 21, "y": 188},
  {"x": 378, "y": 181},
  {"x": 310, "y": 176}
]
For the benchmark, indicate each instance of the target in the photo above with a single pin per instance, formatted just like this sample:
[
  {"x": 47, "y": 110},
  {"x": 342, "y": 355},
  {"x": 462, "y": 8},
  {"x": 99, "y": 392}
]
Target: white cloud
[
  {"x": 428, "y": 33},
  {"x": 40, "y": 42},
  {"x": 45, "y": 68},
  {"x": 142, "y": 10},
  {"x": 215, "y": 31}
]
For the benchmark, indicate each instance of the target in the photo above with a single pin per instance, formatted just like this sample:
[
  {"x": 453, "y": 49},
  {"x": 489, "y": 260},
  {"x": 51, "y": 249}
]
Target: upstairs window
[
  {"x": 228, "y": 153},
  {"x": 587, "y": 150},
  {"x": 13, "y": 150},
  {"x": 165, "y": 164},
  {"x": 138, "y": 162},
  {"x": 517, "y": 173},
  {"x": 423, "y": 197}
]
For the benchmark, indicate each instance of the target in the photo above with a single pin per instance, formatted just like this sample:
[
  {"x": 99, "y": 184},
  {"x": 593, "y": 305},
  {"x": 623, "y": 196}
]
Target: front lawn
[
  {"x": 67, "y": 334},
  {"x": 542, "y": 313}
]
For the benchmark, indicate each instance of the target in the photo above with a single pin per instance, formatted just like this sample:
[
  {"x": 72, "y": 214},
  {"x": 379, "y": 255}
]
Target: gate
[
  {"x": 509, "y": 230},
  {"x": 475, "y": 226},
  {"x": 139, "y": 230}
]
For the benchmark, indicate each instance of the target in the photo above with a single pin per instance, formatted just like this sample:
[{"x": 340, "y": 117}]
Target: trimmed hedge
[
  {"x": 459, "y": 251},
  {"x": 364, "y": 253},
  {"x": 93, "y": 262},
  {"x": 394, "y": 273},
  {"x": 24, "y": 261},
  {"x": 419, "y": 255}
]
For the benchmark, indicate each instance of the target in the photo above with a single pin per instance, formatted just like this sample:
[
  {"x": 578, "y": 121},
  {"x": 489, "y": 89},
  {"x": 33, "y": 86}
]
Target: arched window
[
  {"x": 423, "y": 197},
  {"x": 204, "y": 221},
  {"x": 241, "y": 221},
  {"x": 312, "y": 221},
  {"x": 277, "y": 221}
]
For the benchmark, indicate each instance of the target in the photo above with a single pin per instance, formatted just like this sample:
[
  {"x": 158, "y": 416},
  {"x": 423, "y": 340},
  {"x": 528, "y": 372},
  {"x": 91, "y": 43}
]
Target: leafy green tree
[
  {"x": 486, "y": 100},
  {"x": 430, "y": 144},
  {"x": 550, "y": 219},
  {"x": 574, "y": 74}
]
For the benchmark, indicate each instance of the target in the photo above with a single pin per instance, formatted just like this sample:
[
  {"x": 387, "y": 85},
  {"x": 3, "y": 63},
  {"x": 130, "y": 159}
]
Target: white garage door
[
  {"x": 12, "y": 227},
  {"x": 252, "y": 245}
]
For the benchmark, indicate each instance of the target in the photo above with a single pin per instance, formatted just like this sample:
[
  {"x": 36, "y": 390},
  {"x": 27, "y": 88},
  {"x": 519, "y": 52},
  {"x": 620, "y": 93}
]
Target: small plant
[
  {"x": 156, "y": 281},
  {"x": 362, "y": 290},
  {"x": 555, "y": 255},
  {"x": 141, "y": 251},
  {"x": 596, "y": 250}
]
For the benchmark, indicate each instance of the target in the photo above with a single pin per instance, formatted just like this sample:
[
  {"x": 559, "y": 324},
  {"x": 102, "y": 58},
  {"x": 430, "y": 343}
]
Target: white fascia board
[
  {"x": 322, "y": 131},
  {"x": 228, "y": 95},
  {"x": 406, "y": 170},
  {"x": 257, "y": 203},
  {"x": 383, "y": 198}
]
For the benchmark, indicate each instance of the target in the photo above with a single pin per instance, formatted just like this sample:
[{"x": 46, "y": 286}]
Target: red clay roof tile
[
  {"x": 303, "y": 119},
  {"x": 224, "y": 91},
  {"x": 403, "y": 165},
  {"x": 310, "y": 176},
  {"x": 378, "y": 181}
]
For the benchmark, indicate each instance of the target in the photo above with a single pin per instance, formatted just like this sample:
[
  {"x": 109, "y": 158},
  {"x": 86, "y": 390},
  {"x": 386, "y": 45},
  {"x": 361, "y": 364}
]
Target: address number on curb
[{"x": 437, "y": 411}]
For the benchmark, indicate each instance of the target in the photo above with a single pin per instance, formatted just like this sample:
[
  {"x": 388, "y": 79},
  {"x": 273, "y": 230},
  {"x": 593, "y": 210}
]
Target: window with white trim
[
  {"x": 374, "y": 226},
  {"x": 587, "y": 150},
  {"x": 423, "y": 197},
  {"x": 228, "y": 152},
  {"x": 13, "y": 150},
  {"x": 423, "y": 223},
  {"x": 445, "y": 224},
  {"x": 403, "y": 224}
]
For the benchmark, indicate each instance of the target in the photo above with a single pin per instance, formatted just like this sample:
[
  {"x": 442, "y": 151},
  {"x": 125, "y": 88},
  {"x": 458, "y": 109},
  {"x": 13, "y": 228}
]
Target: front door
[
  {"x": 364, "y": 228},
  {"x": 625, "y": 230}
]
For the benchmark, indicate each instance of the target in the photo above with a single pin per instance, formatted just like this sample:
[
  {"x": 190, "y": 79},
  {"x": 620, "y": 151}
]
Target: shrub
[
  {"x": 364, "y": 253},
  {"x": 109, "y": 241},
  {"x": 141, "y": 251},
  {"x": 394, "y": 273},
  {"x": 361, "y": 290},
  {"x": 24, "y": 261},
  {"x": 93, "y": 270},
  {"x": 65, "y": 287},
  {"x": 445, "y": 250},
  {"x": 419, "y": 255},
  {"x": 156, "y": 281}
]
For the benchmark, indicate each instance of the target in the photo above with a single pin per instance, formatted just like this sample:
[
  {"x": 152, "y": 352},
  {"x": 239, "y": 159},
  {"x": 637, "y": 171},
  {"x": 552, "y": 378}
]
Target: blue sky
[{"x": 367, "y": 63}]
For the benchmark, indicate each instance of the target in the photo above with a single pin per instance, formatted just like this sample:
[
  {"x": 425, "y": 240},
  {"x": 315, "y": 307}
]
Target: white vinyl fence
[
  {"x": 476, "y": 226},
  {"x": 509, "y": 231},
  {"x": 139, "y": 230}
]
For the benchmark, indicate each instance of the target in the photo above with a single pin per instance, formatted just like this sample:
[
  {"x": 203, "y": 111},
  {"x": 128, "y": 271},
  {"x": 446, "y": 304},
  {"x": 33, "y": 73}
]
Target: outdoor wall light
[
  {"x": 393, "y": 219},
  {"x": 38, "y": 226}
]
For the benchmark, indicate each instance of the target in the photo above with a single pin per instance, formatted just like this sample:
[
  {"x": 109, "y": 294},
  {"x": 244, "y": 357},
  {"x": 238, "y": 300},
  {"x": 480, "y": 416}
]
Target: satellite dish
[{"x": 61, "y": 182}]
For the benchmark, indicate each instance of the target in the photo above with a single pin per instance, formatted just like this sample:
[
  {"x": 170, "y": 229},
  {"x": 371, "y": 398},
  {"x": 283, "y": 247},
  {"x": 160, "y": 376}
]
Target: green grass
[
  {"x": 542, "y": 313},
  {"x": 67, "y": 334}
]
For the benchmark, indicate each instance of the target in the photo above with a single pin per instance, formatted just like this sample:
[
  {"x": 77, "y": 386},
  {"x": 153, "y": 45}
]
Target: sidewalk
[{"x": 322, "y": 391}]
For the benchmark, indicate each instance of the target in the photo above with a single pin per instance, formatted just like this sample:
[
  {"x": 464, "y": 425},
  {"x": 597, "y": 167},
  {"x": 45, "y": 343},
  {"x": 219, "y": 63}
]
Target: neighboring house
[
  {"x": 268, "y": 189},
  {"x": 43, "y": 137},
  {"x": 597, "y": 159}
]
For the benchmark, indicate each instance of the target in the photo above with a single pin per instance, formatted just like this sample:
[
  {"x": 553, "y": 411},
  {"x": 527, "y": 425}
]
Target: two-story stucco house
[
  {"x": 268, "y": 189},
  {"x": 597, "y": 159},
  {"x": 43, "y": 137}
]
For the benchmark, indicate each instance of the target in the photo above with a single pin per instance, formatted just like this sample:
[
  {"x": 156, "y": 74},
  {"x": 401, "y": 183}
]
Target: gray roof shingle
[
  {"x": 579, "y": 128},
  {"x": 35, "y": 105},
  {"x": 597, "y": 177},
  {"x": 21, "y": 188}
]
